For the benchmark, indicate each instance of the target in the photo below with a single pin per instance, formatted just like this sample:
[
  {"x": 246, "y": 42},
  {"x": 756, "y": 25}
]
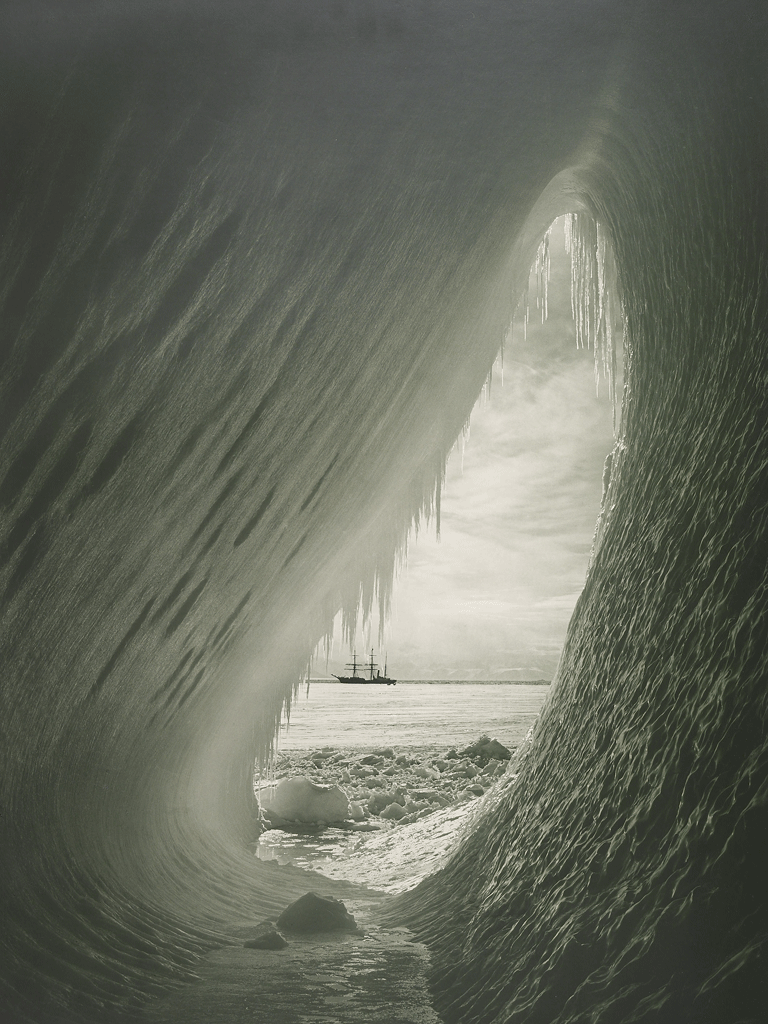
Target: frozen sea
[{"x": 425, "y": 713}]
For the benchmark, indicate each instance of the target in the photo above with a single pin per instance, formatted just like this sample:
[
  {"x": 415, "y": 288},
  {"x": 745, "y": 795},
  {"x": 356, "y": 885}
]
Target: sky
[{"x": 492, "y": 597}]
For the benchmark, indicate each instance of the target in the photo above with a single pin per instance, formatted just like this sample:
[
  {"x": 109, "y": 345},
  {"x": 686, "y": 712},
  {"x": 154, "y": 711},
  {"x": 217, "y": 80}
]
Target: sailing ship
[{"x": 383, "y": 680}]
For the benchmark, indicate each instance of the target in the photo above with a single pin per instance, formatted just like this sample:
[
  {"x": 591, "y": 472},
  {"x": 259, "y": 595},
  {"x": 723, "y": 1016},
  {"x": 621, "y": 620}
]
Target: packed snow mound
[{"x": 305, "y": 801}]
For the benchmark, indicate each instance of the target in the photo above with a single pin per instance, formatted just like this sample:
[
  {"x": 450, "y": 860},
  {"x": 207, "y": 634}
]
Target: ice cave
[{"x": 256, "y": 261}]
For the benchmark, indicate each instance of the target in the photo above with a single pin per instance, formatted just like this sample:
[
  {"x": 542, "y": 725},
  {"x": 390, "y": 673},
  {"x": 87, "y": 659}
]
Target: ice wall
[
  {"x": 619, "y": 876},
  {"x": 255, "y": 265}
]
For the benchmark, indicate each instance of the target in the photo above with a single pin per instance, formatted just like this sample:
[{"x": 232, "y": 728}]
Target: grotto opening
[{"x": 223, "y": 228}]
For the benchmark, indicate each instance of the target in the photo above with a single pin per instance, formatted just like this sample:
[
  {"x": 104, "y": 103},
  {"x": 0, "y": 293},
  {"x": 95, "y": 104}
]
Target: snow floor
[
  {"x": 375, "y": 978},
  {"x": 392, "y": 860},
  {"x": 378, "y": 977}
]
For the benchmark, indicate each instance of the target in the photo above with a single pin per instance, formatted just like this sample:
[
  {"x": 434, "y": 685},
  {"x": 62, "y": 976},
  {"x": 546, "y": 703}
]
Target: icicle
[
  {"x": 593, "y": 285},
  {"x": 264, "y": 769},
  {"x": 542, "y": 267},
  {"x": 463, "y": 442},
  {"x": 438, "y": 492}
]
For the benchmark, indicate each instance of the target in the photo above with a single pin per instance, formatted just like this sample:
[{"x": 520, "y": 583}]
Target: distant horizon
[{"x": 512, "y": 682}]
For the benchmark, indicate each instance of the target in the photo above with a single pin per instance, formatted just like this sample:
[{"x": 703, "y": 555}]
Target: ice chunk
[
  {"x": 313, "y": 913},
  {"x": 393, "y": 811},
  {"x": 302, "y": 800},
  {"x": 356, "y": 812},
  {"x": 379, "y": 801},
  {"x": 486, "y": 748},
  {"x": 266, "y": 936}
]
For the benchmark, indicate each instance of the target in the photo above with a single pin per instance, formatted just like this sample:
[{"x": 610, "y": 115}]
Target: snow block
[
  {"x": 302, "y": 800},
  {"x": 313, "y": 913}
]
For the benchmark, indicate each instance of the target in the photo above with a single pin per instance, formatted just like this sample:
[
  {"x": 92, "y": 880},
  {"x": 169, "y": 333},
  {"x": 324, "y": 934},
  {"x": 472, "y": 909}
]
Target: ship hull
[{"x": 356, "y": 680}]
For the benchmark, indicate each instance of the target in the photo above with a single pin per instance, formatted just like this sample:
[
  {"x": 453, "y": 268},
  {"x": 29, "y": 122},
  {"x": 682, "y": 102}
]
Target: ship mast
[{"x": 372, "y": 664}]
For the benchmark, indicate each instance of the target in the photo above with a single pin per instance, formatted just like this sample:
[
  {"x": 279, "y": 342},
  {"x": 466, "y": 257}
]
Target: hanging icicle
[
  {"x": 542, "y": 269},
  {"x": 594, "y": 292}
]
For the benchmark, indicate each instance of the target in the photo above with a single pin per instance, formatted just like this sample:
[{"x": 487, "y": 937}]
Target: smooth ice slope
[{"x": 255, "y": 263}]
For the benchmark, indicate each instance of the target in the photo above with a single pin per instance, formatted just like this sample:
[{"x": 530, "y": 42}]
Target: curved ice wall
[{"x": 255, "y": 267}]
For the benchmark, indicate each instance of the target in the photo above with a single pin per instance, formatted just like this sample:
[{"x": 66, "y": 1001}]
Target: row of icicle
[
  {"x": 594, "y": 287},
  {"x": 594, "y": 293}
]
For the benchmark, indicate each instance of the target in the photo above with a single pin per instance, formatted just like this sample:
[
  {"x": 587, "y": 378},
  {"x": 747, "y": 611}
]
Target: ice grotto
[{"x": 256, "y": 260}]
